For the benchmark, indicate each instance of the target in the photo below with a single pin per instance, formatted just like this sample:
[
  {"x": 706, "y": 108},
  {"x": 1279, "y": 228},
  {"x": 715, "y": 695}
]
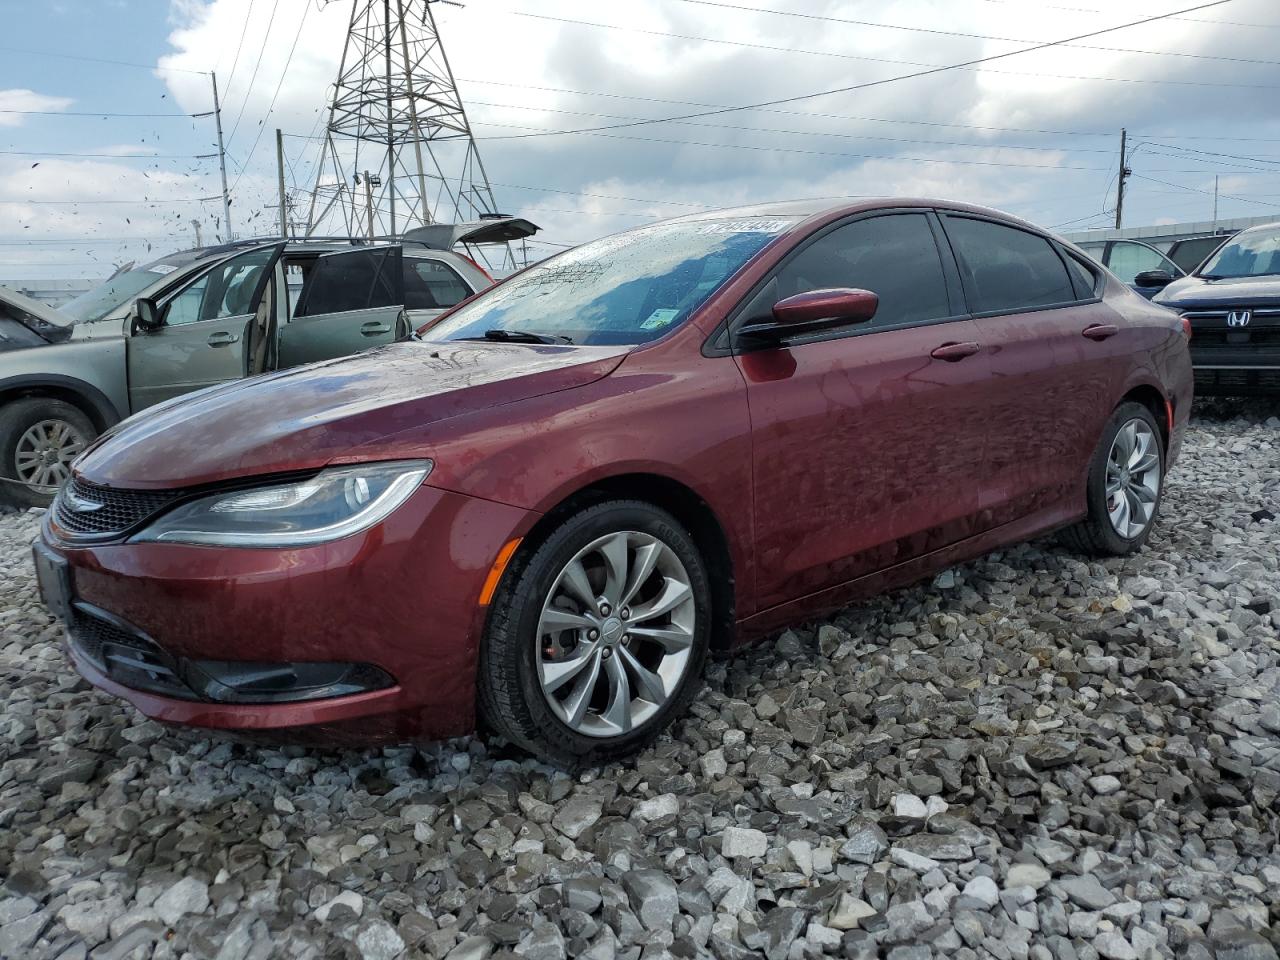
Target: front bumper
[{"x": 402, "y": 597}]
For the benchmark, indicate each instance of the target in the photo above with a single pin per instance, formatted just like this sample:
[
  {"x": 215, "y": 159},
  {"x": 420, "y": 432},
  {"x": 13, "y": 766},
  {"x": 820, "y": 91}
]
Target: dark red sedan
[{"x": 542, "y": 512}]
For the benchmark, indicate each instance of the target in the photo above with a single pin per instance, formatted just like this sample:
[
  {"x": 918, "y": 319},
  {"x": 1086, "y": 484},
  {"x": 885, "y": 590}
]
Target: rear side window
[
  {"x": 431, "y": 285},
  {"x": 340, "y": 282},
  {"x": 1007, "y": 269},
  {"x": 1083, "y": 276},
  {"x": 894, "y": 256}
]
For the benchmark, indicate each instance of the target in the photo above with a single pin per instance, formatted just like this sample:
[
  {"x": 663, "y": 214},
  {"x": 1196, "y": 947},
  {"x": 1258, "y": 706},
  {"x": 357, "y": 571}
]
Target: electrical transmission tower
[{"x": 398, "y": 150}]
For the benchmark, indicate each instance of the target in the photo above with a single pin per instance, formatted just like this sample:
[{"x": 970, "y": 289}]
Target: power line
[
  {"x": 254, "y": 76},
  {"x": 886, "y": 80},
  {"x": 109, "y": 156},
  {"x": 93, "y": 113},
  {"x": 1207, "y": 193},
  {"x": 933, "y": 31},
  {"x": 807, "y": 133},
  {"x": 118, "y": 63},
  {"x": 236, "y": 60},
  {"x": 150, "y": 200},
  {"x": 908, "y": 63},
  {"x": 262, "y": 124},
  {"x": 1225, "y": 23}
]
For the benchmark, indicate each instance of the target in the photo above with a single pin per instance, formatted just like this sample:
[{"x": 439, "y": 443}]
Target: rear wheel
[
  {"x": 39, "y": 439},
  {"x": 1126, "y": 480},
  {"x": 596, "y": 640}
]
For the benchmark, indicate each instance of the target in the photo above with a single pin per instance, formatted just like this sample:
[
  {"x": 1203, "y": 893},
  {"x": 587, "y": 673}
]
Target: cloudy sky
[{"x": 101, "y": 160}]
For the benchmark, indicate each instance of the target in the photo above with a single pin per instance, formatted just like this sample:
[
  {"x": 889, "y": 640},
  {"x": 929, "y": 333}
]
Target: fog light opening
[{"x": 240, "y": 681}]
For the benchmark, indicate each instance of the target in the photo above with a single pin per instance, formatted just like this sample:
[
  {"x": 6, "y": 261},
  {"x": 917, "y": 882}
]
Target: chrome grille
[{"x": 112, "y": 511}]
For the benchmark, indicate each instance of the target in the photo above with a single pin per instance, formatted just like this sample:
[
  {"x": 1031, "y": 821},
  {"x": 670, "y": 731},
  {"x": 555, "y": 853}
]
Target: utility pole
[
  {"x": 1124, "y": 174},
  {"x": 1215, "y": 203},
  {"x": 391, "y": 122},
  {"x": 196, "y": 224},
  {"x": 222, "y": 156},
  {"x": 370, "y": 181},
  {"x": 284, "y": 222}
]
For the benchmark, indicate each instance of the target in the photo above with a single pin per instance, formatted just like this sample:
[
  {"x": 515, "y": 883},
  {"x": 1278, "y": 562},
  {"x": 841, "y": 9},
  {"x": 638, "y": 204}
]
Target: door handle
[
  {"x": 222, "y": 339},
  {"x": 374, "y": 327},
  {"x": 951, "y": 352},
  {"x": 1100, "y": 331}
]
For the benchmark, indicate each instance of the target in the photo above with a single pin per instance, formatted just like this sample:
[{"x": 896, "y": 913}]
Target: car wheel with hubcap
[
  {"x": 596, "y": 638},
  {"x": 40, "y": 437},
  {"x": 1125, "y": 483}
]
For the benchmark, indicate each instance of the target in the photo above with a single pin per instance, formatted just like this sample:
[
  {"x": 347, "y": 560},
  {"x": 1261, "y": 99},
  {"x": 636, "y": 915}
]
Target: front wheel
[
  {"x": 1125, "y": 483},
  {"x": 39, "y": 439},
  {"x": 596, "y": 639}
]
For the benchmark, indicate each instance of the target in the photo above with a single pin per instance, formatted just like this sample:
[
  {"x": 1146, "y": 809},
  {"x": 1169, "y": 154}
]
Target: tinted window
[
  {"x": 340, "y": 282},
  {"x": 895, "y": 257},
  {"x": 1127, "y": 259},
  {"x": 1188, "y": 254},
  {"x": 1085, "y": 279},
  {"x": 1005, "y": 268},
  {"x": 225, "y": 291},
  {"x": 431, "y": 285}
]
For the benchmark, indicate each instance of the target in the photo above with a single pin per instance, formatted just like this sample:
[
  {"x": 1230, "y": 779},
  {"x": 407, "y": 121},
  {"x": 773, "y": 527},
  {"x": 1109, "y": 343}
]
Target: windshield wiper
[{"x": 520, "y": 336}]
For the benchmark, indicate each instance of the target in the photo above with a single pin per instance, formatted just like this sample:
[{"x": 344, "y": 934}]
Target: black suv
[{"x": 1233, "y": 303}]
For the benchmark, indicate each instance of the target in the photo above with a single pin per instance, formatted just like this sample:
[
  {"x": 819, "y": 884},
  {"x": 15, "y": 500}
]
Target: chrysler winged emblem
[
  {"x": 78, "y": 504},
  {"x": 1239, "y": 318}
]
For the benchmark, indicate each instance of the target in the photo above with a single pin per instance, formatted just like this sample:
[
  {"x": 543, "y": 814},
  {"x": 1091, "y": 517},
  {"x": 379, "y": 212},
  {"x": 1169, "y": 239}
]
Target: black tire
[
  {"x": 16, "y": 419},
  {"x": 510, "y": 698},
  {"x": 1095, "y": 535}
]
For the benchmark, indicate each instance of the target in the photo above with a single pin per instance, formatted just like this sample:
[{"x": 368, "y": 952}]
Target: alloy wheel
[
  {"x": 44, "y": 452},
  {"x": 1133, "y": 478},
  {"x": 615, "y": 634}
]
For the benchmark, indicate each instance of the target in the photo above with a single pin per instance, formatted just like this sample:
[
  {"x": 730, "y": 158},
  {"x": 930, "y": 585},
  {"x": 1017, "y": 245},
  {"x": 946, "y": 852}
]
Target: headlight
[{"x": 333, "y": 504}]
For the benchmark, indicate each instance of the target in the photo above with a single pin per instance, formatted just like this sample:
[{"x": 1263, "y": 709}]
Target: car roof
[{"x": 830, "y": 208}]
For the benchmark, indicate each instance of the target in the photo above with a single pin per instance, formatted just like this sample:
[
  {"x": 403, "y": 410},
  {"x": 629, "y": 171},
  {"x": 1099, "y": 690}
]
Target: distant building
[{"x": 1162, "y": 235}]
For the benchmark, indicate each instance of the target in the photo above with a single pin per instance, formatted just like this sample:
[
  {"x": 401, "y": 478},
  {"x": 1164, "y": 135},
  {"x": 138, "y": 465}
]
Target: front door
[
  {"x": 868, "y": 441},
  {"x": 207, "y": 333},
  {"x": 350, "y": 301}
]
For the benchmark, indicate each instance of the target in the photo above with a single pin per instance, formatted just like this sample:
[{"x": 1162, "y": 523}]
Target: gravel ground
[{"x": 1031, "y": 757}]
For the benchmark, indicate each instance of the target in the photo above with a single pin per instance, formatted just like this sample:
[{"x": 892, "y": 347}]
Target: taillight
[{"x": 1186, "y": 327}]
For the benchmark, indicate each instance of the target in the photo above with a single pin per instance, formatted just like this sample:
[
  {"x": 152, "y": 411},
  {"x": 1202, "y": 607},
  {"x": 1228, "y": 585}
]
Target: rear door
[
  {"x": 431, "y": 286},
  {"x": 351, "y": 301},
  {"x": 1056, "y": 354},
  {"x": 867, "y": 439},
  {"x": 207, "y": 333}
]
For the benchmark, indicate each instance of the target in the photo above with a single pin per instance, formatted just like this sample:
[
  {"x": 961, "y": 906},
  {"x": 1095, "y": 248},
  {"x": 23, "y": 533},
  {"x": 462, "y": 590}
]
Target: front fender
[{"x": 94, "y": 371}]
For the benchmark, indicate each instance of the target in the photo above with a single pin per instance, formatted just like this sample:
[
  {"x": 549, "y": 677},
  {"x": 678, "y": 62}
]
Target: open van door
[{"x": 352, "y": 300}]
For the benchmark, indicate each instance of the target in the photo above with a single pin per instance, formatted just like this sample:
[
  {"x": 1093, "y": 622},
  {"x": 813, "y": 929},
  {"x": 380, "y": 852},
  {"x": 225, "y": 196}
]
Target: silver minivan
[{"x": 201, "y": 317}]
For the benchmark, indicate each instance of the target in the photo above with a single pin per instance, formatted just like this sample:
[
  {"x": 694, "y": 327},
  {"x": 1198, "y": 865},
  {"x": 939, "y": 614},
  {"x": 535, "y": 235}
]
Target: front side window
[
  {"x": 626, "y": 289},
  {"x": 1128, "y": 259},
  {"x": 1007, "y": 269},
  {"x": 225, "y": 291},
  {"x": 1253, "y": 253},
  {"x": 431, "y": 285},
  {"x": 895, "y": 257}
]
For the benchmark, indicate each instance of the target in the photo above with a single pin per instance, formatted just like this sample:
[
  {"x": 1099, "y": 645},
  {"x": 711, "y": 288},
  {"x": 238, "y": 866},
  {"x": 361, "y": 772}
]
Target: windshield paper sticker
[
  {"x": 746, "y": 226},
  {"x": 162, "y": 268},
  {"x": 659, "y": 319}
]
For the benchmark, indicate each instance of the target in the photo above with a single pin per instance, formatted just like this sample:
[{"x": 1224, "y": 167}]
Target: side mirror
[
  {"x": 146, "y": 314},
  {"x": 1153, "y": 278},
  {"x": 826, "y": 308}
]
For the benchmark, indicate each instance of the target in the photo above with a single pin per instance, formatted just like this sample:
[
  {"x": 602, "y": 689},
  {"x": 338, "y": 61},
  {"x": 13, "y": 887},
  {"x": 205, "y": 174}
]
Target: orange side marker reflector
[
  {"x": 1168, "y": 409},
  {"x": 495, "y": 572}
]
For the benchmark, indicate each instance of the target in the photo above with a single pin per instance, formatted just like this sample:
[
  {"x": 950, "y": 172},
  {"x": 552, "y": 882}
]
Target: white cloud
[{"x": 21, "y": 100}]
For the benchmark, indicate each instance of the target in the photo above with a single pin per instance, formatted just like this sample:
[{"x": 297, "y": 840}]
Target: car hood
[
  {"x": 1190, "y": 293},
  {"x": 303, "y": 418},
  {"x": 47, "y": 323}
]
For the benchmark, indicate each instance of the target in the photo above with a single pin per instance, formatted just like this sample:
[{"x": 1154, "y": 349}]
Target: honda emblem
[{"x": 1239, "y": 318}]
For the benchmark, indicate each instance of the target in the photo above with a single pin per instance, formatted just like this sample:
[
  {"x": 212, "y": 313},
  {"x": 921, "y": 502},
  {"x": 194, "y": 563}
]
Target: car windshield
[
  {"x": 1254, "y": 253},
  {"x": 626, "y": 289},
  {"x": 123, "y": 287}
]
